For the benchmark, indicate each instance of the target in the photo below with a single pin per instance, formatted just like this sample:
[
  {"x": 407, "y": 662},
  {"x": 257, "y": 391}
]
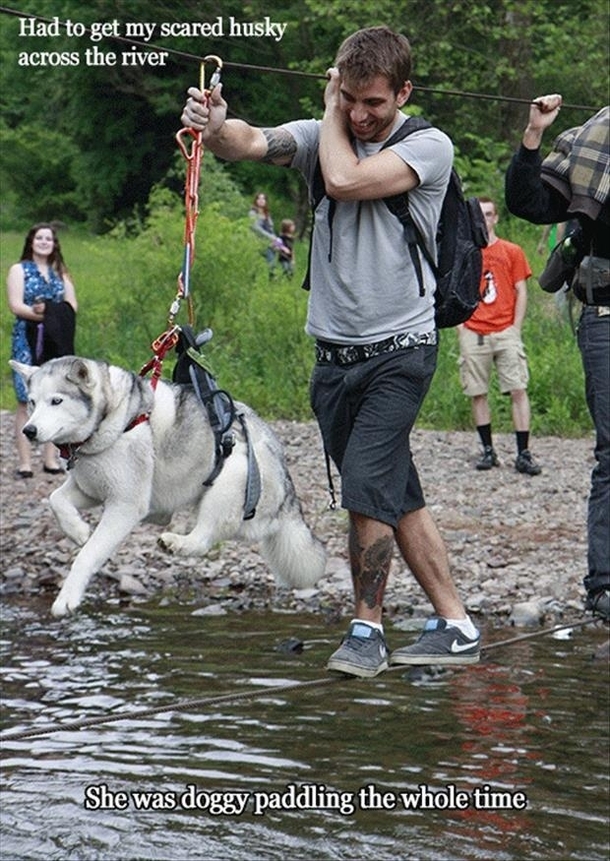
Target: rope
[
  {"x": 168, "y": 339},
  {"x": 488, "y": 646},
  {"x": 292, "y": 72},
  {"x": 191, "y": 190},
  {"x": 190, "y": 704}
]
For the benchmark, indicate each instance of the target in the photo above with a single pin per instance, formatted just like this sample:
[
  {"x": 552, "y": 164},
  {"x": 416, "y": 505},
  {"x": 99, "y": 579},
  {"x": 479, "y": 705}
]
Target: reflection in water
[{"x": 422, "y": 765}]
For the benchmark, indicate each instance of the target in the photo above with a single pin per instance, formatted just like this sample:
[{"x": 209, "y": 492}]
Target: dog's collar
[
  {"x": 143, "y": 417},
  {"x": 69, "y": 451}
]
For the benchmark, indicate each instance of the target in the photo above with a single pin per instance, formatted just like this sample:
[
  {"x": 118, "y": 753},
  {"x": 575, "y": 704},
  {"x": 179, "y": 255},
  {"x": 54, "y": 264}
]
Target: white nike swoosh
[{"x": 456, "y": 647}]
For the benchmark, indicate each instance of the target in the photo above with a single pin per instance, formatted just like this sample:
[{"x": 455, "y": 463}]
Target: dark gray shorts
[{"x": 366, "y": 412}]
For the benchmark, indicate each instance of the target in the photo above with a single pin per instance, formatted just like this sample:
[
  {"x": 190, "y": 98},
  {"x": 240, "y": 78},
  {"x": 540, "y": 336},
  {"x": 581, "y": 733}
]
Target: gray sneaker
[
  {"x": 362, "y": 652},
  {"x": 439, "y": 643}
]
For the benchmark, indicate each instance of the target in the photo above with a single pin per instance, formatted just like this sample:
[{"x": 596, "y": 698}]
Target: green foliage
[
  {"x": 36, "y": 157},
  {"x": 115, "y": 126},
  {"x": 127, "y": 279}
]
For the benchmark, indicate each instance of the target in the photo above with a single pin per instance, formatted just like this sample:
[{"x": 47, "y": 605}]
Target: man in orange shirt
[{"x": 493, "y": 336}]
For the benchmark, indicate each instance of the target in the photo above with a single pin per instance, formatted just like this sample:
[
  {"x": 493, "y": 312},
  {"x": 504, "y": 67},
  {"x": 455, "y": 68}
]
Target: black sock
[
  {"x": 484, "y": 432},
  {"x": 523, "y": 438}
]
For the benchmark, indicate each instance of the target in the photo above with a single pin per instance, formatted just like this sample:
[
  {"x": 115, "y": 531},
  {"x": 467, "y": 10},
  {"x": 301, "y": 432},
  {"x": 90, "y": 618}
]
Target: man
[
  {"x": 375, "y": 335},
  {"x": 573, "y": 181},
  {"x": 493, "y": 336}
]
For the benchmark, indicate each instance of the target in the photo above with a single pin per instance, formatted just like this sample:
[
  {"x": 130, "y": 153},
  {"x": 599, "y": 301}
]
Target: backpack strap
[
  {"x": 317, "y": 193},
  {"x": 398, "y": 204}
]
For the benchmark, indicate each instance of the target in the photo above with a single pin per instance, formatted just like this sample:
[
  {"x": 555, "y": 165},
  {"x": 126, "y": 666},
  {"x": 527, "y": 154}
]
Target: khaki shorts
[{"x": 478, "y": 353}]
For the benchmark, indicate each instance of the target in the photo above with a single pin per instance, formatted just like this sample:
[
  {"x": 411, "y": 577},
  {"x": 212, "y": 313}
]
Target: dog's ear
[
  {"x": 24, "y": 371},
  {"x": 80, "y": 374}
]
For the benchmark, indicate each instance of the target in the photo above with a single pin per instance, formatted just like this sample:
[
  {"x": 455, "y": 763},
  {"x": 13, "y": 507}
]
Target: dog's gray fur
[{"x": 157, "y": 468}]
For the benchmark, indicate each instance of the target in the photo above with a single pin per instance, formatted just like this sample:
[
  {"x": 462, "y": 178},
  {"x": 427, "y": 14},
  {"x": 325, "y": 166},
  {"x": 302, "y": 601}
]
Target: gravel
[{"x": 517, "y": 544}]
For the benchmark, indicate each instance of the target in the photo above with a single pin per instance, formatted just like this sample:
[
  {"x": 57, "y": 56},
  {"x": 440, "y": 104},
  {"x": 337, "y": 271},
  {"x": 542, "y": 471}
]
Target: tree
[{"x": 119, "y": 121}]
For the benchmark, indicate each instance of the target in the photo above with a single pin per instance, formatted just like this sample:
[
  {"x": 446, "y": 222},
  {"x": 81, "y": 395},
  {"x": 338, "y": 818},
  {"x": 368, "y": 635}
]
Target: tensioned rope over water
[
  {"x": 189, "y": 704},
  {"x": 292, "y": 72}
]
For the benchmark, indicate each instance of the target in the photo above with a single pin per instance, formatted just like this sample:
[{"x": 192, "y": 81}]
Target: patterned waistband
[{"x": 348, "y": 354}]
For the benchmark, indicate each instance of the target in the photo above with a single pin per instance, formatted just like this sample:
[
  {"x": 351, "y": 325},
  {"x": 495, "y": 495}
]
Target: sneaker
[
  {"x": 599, "y": 604},
  {"x": 439, "y": 643},
  {"x": 525, "y": 463},
  {"x": 362, "y": 652},
  {"x": 489, "y": 459}
]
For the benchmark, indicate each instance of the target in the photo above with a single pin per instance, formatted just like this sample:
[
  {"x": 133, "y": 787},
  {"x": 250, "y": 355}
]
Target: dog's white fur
[{"x": 157, "y": 468}]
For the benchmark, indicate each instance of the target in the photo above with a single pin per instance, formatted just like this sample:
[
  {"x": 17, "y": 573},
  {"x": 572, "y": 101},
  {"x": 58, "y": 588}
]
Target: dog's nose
[{"x": 30, "y": 431}]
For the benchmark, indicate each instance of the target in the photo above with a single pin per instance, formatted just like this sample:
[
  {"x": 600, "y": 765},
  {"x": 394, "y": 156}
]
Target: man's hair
[
  {"x": 489, "y": 200},
  {"x": 375, "y": 51}
]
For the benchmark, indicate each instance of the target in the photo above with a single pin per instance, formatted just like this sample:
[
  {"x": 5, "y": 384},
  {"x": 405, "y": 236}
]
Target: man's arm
[
  {"x": 345, "y": 176},
  {"x": 527, "y": 196},
  {"x": 234, "y": 140},
  {"x": 520, "y": 304},
  {"x": 543, "y": 113}
]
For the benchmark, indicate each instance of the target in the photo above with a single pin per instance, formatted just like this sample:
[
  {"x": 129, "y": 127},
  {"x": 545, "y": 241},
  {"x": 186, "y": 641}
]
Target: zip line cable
[
  {"x": 270, "y": 690},
  {"x": 292, "y": 72}
]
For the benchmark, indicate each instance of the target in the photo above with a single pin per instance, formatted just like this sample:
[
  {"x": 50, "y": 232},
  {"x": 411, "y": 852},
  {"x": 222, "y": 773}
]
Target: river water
[{"x": 504, "y": 760}]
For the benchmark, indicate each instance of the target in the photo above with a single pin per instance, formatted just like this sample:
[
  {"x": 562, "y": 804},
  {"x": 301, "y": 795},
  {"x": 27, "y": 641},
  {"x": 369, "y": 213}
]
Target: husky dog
[{"x": 143, "y": 454}]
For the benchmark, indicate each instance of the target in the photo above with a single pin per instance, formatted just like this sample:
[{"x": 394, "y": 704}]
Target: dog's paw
[
  {"x": 81, "y": 534},
  {"x": 59, "y": 608},
  {"x": 77, "y": 530},
  {"x": 183, "y": 545},
  {"x": 64, "y": 605},
  {"x": 170, "y": 542}
]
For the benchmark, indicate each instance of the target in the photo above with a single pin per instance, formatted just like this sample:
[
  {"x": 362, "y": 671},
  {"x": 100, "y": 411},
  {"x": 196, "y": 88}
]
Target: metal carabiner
[
  {"x": 186, "y": 132},
  {"x": 215, "y": 79}
]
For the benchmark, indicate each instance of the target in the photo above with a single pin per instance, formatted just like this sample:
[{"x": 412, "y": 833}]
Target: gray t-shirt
[{"x": 363, "y": 284}]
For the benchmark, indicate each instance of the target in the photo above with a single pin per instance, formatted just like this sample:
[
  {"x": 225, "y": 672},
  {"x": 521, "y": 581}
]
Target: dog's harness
[{"x": 220, "y": 407}]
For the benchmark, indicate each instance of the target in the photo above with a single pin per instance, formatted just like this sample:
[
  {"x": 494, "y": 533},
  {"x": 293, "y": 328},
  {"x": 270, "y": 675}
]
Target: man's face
[
  {"x": 370, "y": 110},
  {"x": 490, "y": 215}
]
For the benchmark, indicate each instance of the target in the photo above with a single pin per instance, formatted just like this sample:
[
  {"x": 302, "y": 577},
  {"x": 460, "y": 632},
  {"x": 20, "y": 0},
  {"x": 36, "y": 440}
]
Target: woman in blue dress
[{"x": 40, "y": 276}]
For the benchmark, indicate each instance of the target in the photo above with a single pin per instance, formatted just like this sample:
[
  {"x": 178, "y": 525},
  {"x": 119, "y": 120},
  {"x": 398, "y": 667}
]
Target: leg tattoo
[{"x": 370, "y": 568}]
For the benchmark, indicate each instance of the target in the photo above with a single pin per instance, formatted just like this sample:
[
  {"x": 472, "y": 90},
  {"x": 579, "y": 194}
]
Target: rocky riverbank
[{"x": 513, "y": 540}]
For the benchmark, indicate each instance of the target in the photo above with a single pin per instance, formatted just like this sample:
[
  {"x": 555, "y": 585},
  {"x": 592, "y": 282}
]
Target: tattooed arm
[{"x": 235, "y": 140}]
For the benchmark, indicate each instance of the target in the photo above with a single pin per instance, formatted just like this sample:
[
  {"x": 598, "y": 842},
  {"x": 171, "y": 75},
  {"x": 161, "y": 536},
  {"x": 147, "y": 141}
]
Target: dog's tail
[{"x": 294, "y": 555}]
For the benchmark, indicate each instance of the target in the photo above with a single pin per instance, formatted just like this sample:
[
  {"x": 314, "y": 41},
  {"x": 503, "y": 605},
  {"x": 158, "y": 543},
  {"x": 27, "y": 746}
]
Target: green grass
[{"x": 260, "y": 353}]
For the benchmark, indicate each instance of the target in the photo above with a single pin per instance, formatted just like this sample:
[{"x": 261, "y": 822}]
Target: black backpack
[{"x": 461, "y": 235}]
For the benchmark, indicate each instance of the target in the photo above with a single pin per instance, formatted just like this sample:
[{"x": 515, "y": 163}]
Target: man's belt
[{"x": 349, "y": 354}]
